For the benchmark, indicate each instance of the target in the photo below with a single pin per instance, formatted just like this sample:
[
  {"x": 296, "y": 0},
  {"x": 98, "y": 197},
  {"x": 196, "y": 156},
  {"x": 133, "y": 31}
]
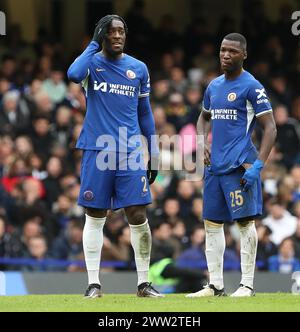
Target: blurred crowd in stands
[{"x": 41, "y": 115}]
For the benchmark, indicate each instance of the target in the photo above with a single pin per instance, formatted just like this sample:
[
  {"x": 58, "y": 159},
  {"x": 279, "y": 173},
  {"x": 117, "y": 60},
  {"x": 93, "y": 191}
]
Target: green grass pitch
[{"x": 131, "y": 303}]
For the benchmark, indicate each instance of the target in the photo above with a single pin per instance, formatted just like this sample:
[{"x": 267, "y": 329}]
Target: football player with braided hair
[{"x": 117, "y": 88}]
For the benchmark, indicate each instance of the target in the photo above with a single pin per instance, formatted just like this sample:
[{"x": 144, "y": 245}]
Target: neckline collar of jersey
[
  {"x": 112, "y": 60},
  {"x": 233, "y": 79}
]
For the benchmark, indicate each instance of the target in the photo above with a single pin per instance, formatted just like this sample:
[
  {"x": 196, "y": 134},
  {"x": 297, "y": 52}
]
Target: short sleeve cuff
[{"x": 263, "y": 112}]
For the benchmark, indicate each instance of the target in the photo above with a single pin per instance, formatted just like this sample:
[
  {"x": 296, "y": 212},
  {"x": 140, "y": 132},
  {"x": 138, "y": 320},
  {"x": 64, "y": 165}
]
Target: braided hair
[{"x": 106, "y": 21}]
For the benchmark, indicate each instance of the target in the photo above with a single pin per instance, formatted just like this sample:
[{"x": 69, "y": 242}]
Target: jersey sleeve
[
  {"x": 259, "y": 100},
  {"x": 145, "y": 83},
  {"x": 206, "y": 100},
  {"x": 78, "y": 70}
]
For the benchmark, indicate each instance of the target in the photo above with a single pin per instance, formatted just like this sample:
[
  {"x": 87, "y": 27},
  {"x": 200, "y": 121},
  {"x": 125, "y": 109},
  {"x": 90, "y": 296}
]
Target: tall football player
[{"x": 118, "y": 111}]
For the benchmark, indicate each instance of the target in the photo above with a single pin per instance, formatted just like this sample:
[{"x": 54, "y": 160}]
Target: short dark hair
[{"x": 238, "y": 38}]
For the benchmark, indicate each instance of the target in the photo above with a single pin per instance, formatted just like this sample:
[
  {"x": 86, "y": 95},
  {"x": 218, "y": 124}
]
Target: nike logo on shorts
[{"x": 236, "y": 209}]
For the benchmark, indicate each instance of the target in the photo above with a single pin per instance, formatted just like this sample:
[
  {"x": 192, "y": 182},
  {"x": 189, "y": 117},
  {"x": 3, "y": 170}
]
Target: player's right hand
[{"x": 101, "y": 29}]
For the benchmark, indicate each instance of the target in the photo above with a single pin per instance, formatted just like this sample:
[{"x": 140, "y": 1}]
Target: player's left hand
[
  {"x": 101, "y": 29},
  {"x": 252, "y": 174},
  {"x": 151, "y": 173}
]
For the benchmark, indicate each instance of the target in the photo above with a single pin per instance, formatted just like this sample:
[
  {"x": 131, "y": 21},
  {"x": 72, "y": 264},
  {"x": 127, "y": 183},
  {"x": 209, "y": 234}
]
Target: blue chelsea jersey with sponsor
[
  {"x": 112, "y": 90},
  {"x": 234, "y": 106}
]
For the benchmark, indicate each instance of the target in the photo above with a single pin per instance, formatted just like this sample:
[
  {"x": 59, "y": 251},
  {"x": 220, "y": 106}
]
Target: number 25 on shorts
[{"x": 236, "y": 198}]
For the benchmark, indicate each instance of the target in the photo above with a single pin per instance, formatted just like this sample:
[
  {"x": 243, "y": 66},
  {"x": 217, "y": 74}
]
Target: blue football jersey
[
  {"x": 234, "y": 106},
  {"x": 112, "y": 90}
]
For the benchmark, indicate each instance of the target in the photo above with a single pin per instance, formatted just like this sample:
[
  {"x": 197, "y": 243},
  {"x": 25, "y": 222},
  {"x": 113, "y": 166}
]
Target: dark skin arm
[
  {"x": 203, "y": 128},
  {"x": 266, "y": 121},
  {"x": 269, "y": 136}
]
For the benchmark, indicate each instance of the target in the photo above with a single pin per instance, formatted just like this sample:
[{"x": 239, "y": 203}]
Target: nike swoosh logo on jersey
[{"x": 100, "y": 69}]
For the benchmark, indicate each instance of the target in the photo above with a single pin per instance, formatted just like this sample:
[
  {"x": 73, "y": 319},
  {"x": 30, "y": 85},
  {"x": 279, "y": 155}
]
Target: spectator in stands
[
  {"x": 287, "y": 139},
  {"x": 31, "y": 91},
  {"x": 162, "y": 245},
  {"x": 266, "y": 248},
  {"x": 179, "y": 237},
  {"x": 193, "y": 98},
  {"x": 55, "y": 86},
  {"x": 19, "y": 239},
  {"x": 44, "y": 67},
  {"x": 62, "y": 128},
  {"x": 178, "y": 81},
  {"x": 41, "y": 136},
  {"x": 37, "y": 166},
  {"x": 115, "y": 222},
  {"x": 171, "y": 210},
  {"x": 285, "y": 192},
  {"x": 161, "y": 91},
  {"x": 194, "y": 256},
  {"x": 23, "y": 146},
  {"x": 121, "y": 250},
  {"x": 37, "y": 251},
  {"x": 285, "y": 261},
  {"x": 279, "y": 91},
  {"x": 12, "y": 119},
  {"x": 206, "y": 59},
  {"x": 185, "y": 192},
  {"x": 8, "y": 67},
  {"x": 68, "y": 246},
  {"x": 280, "y": 221},
  {"x": 63, "y": 211},
  {"x": 176, "y": 111},
  {"x": 51, "y": 183},
  {"x": 44, "y": 105},
  {"x": 5, "y": 86},
  {"x": 195, "y": 217},
  {"x": 33, "y": 190},
  {"x": 70, "y": 186},
  {"x": 159, "y": 118}
]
